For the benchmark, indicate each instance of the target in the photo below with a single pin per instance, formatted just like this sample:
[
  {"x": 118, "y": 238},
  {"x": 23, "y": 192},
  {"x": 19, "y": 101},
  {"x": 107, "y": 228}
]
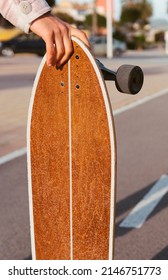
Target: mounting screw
[
  {"x": 77, "y": 86},
  {"x": 62, "y": 84},
  {"x": 77, "y": 56}
]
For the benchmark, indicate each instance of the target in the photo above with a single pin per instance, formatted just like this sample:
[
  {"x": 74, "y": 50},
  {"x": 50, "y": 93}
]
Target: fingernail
[{"x": 59, "y": 66}]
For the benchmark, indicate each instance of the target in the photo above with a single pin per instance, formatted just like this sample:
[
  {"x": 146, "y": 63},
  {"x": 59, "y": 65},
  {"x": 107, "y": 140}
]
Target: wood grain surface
[
  {"x": 54, "y": 158},
  {"x": 50, "y": 165},
  {"x": 91, "y": 162}
]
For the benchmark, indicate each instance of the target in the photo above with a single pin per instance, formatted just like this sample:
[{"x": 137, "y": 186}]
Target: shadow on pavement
[
  {"x": 130, "y": 202},
  {"x": 162, "y": 255}
]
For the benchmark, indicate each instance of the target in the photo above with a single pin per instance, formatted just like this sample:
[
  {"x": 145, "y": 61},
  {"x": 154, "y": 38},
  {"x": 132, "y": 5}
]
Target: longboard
[{"x": 71, "y": 161}]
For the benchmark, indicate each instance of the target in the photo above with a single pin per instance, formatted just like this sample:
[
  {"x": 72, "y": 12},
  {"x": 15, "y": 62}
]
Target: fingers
[
  {"x": 57, "y": 36},
  {"x": 63, "y": 57},
  {"x": 64, "y": 46},
  {"x": 59, "y": 46},
  {"x": 50, "y": 51},
  {"x": 56, "y": 52},
  {"x": 81, "y": 35}
]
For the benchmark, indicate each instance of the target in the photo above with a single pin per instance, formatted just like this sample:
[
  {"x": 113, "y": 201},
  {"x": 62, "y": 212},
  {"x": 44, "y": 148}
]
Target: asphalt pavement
[{"x": 142, "y": 146}]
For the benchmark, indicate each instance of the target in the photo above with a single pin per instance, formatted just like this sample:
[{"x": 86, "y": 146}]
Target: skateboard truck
[{"x": 128, "y": 78}]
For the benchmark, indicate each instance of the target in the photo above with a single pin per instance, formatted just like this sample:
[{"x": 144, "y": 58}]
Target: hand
[{"x": 57, "y": 36}]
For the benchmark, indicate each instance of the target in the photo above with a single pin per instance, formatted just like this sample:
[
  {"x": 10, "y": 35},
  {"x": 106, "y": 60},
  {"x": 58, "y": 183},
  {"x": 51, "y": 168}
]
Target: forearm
[{"x": 22, "y": 12}]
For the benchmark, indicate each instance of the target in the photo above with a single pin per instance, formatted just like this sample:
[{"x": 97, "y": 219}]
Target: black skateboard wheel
[{"x": 129, "y": 79}]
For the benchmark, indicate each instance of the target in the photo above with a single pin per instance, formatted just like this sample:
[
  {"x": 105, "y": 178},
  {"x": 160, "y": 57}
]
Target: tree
[
  {"x": 65, "y": 17},
  {"x": 134, "y": 16},
  {"x": 129, "y": 14},
  {"x": 146, "y": 10},
  {"x": 101, "y": 21},
  {"x": 136, "y": 12}
]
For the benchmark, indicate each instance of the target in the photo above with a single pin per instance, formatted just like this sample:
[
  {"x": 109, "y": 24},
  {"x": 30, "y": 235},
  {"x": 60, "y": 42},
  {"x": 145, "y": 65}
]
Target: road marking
[
  {"x": 140, "y": 102},
  {"x": 144, "y": 208},
  {"x": 13, "y": 155}
]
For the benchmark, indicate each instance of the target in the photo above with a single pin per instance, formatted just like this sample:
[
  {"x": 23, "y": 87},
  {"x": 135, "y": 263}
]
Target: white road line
[
  {"x": 13, "y": 155},
  {"x": 144, "y": 208},
  {"x": 140, "y": 102}
]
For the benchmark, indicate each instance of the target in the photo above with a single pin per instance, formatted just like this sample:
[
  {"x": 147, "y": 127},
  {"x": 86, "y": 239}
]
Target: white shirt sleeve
[{"x": 22, "y": 12}]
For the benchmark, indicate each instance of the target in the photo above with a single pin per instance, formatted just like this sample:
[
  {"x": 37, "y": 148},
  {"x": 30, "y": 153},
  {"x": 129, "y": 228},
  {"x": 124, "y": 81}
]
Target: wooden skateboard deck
[{"x": 71, "y": 161}]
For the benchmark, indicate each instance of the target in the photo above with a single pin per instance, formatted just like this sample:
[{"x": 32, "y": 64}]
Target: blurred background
[
  {"x": 129, "y": 32},
  {"x": 135, "y": 24}
]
